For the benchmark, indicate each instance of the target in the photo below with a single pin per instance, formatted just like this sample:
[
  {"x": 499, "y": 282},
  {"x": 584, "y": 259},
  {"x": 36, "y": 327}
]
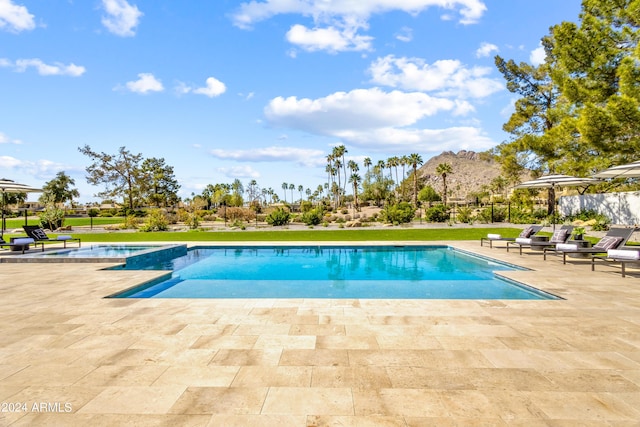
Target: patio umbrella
[
  {"x": 629, "y": 170},
  {"x": 10, "y": 186},
  {"x": 552, "y": 181}
]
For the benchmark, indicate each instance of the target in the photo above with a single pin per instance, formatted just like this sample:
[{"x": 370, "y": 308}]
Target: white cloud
[
  {"x": 330, "y": 39},
  {"x": 239, "y": 172},
  {"x": 145, "y": 84},
  {"x": 40, "y": 169},
  {"x": 405, "y": 34},
  {"x": 486, "y": 49},
  {"x": 537, "y": 56},
  {"x": 423, "y": 140},
  {"x": 358, "y": 109},
  {"x": 55, "y": 69},
  {"x": 14, "y": 18},
  {"x": 379, "y": 120},
  {"x": 249, "y": 13},
  {"x": 444, "y": 77},
  {"x": 4, "y": 139},
  {"x": 213, "y": 88},
  {"x": 122, "y": 18},
  {"x": 302, "y": 156}
]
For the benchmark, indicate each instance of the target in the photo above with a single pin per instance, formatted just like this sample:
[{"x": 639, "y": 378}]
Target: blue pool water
[
  {"x": 411, "y": 272},
  {"x": 96, "y": 251}
]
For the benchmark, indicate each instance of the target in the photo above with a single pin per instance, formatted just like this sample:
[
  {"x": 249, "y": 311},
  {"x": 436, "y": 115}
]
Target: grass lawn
[
  {"x": 13, "y": 223},
  {"x": 360, "y": 235}
]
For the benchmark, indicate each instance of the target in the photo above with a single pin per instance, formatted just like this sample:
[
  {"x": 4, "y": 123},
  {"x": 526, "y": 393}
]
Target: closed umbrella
[
  {"x": 10, "y": 186},
  {"x": 629, "y": 170},
  {"x": 552, "y": 181}
]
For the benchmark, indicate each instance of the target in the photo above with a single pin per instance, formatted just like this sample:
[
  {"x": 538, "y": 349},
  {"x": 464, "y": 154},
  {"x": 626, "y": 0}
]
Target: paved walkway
[{"x": 74, "y": 358}]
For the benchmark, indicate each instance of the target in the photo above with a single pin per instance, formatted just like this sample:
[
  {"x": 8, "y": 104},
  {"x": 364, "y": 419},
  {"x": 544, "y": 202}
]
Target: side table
[{"x": 581, "y": 244}]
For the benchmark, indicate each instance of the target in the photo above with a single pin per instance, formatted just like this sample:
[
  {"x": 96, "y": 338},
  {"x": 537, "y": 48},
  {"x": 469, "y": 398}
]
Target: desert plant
[
  {"x": 52, "y": 217},
  {"x": 465, "y": 215},
  {"x": 131, "y": 222},
  {"x": 312, "y": 217},
  {"x": 438, "y": 213},
  {"x": 156, "y": 221},
  {"x": 499, "y": 214},
  {"x": 278, "y": 217},
  {"x": 399, "y": 213}
]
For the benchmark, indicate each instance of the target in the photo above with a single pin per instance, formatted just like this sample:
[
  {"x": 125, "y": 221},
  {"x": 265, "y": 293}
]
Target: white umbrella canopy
[
  {"x": 629, "y": 170},
  {"x": 10, "y": 186},
  {"x": 550, "y": 181}
]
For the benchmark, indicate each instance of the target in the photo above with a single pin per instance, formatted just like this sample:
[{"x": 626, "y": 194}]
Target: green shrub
[
  {"x": 399, "y": 213},
  {"x": 130, "y": 222},
  {"x": 499, "y": 214},
  {"x": 465, "y": 215},
  {"x": 438, "y": 213},
  {"x": 52, "y": 217},
  {"x": 192, "y": 221},
  {"x": 156, "y": 221},
  {"x": 306, "y": 206},
  {"x": 278, "y": 217},
  {"x": 313, "y": 216}
]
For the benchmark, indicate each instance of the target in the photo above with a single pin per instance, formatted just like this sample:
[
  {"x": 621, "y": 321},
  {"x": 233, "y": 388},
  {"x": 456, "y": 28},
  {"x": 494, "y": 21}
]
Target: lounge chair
[
  {"x": 559, "y": 236},
  {"x": 38, "y": 234},
  {"x": 526, "y": 233},
  {"x": 614, "y": 239},
  {"x": 623, "y": 256},
  {"x": 18, "y": 244}
]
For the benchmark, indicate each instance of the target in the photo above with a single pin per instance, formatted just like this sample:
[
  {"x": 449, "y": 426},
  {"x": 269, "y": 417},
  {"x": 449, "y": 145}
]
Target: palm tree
[
  {"x": 300, "y": 190},
  {"x": 285, "y": 187},
  {"x": 443, "y": 169},
  {"x": 292, "y": 187},
  {"x": 404, "y": 161},
  {"x": 414, "y": 160},
  {"x": 355, "y": 180},
  {"x": 367, "y": 163}
]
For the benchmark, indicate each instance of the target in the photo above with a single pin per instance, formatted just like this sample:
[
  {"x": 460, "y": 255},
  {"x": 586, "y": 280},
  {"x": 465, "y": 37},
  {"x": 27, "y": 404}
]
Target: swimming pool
[{"x": 377, "y": 272}]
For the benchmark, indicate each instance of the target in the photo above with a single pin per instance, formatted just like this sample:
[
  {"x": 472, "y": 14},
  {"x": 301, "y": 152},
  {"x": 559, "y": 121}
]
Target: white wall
[{"x": 621, "y": 208}]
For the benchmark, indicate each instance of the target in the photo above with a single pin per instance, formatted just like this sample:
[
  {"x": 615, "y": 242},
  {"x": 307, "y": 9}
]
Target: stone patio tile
[
  {"x": 133, "y": 400},
  {"x": 197, "y": 376},
  {"x": 399, "y": 402},
  {"x": 303, "y": 401},
  {"x": 273, "y": 376},
  {"x": 266, "y": 357},
  {"x": 356, "y": 377},
  {"x": 220, "y": 400},
  {"x": 314, "y": 358},
  {"x": 346, "y": 343},
  {"x": 117, "y": 375}
]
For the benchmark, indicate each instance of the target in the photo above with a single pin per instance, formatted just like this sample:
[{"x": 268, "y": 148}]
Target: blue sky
[{"x": 260, "y": 89}]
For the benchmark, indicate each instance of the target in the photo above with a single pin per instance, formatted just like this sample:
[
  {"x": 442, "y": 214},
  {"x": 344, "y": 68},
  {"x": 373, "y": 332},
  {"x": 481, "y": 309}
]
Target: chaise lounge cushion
[
  {"x": 559, "y": 236},
  {"x": 22, "y": 241},
  {"x": 523, "y": 240},
  {"x": 607, "y": 242},
  {"x": 527, "y": 232},
  {"x": 39, "y": 234},
  {"x": 623, "y": 254},
  {"x": 494, "y": 236},
  {"x": 567, "y": 247}
]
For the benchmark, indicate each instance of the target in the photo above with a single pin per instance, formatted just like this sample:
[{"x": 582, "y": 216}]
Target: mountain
[{"x": 471, "y": 171}]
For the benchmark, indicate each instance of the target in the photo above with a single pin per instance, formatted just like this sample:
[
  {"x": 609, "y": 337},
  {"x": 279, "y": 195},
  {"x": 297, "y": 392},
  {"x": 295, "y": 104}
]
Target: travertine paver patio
[{"x": 85, "y": 360}]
